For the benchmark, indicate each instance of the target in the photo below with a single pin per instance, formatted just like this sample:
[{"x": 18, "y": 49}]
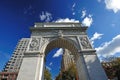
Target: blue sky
[{"x": 102, "y": 17}]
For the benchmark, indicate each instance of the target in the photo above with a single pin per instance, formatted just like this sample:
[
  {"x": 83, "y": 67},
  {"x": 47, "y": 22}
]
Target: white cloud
[
  {"x": 73, "y": 8},
  {"x": 48, "y": 68},
  {"x": 96, "y": 36},
  {"x": 83, "y": 13},
  {"x": 74, "y": 5},
  {"x": 99, "y": 0},
  {"x": 58, "y": 53},
  {"x": 113, "y": 25},
  {"x": 45, "y": 16},
  {"x": 113, "y": 5},
  {"x": 73, "y": 13},
  {"x": 87, "y": 21},
  {"x": 67, "y": 20},
  {"x": 109, "y": 48},
  {"x": 50, "y": 63}
]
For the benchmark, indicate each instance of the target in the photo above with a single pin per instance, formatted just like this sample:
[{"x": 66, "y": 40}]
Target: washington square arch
[{"x": 72, "y": 36}]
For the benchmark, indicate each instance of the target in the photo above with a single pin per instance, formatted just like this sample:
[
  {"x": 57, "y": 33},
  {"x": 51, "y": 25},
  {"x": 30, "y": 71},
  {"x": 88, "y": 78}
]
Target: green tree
[
  {"x": 73, "y": 70},
  {"x": 59, "y": 77},
  {"x": 47, "y": 75},
  {"x": 112, "y": 68},
  {"x": 69, "y": 74}
]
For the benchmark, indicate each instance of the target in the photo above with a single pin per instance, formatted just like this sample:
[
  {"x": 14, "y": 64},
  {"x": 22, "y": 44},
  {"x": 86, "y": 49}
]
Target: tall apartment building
[
  {"x": 67, "y": 59},
  {"x": 12, "y": 67}
]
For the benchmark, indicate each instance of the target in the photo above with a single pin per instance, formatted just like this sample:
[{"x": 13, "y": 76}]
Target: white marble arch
[{"x": 43, "y": 39}]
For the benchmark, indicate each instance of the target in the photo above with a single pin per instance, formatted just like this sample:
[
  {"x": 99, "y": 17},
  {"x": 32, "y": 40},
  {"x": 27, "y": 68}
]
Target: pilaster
[{"x": 32, "y": 67}]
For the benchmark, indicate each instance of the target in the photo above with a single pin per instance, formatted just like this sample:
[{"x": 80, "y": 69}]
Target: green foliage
[
  {"x": 59, "y": 77},
  {"x": 69, "y": 74},
  {"x": 72, "y": 70},
  {"x": 47, "y": 75}
]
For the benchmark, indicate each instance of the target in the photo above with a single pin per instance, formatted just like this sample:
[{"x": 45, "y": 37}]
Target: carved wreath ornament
[
  {"x": 34, "y": 45},
  {"x": 85, "y": 43}
]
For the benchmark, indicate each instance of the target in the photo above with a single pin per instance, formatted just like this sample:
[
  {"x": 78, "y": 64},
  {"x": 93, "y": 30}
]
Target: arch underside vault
[
  {"x": 75, "y": 39},
  {"x": 62, "y": 43}
]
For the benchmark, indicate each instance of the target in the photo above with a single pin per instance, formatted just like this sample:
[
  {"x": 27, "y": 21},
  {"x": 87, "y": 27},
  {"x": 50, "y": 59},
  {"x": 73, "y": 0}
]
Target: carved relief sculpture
[
  {"x": 85, "y": 43},
  {"x": 34, "y": 44}
]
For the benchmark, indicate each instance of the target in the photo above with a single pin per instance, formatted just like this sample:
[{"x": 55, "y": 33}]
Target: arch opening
[{"x": 63, "y": 44}]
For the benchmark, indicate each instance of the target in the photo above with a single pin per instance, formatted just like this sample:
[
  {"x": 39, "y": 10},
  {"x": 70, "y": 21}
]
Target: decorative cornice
[
  {"x": 62, "y": 24},
  {"x": 33, "y": 54},
  {"x": 87, "y": 52},
  {"x": 58, "y": 26}
]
